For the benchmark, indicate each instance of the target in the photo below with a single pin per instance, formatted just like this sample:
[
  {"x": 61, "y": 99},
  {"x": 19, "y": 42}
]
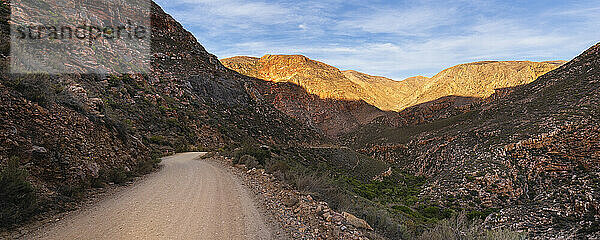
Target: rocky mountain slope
[
  {"x": 328, "y": 116},
  {"x": 532, "y": 154},
  {"x": 390, "y": 95},
  {"x": 325, "y": 81},
  {"x": 71, "y": 131},
  {"x": 312, "y": 92}
]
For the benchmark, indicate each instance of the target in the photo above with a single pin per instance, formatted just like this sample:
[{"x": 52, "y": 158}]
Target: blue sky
[{"x": 395, "y": 39}]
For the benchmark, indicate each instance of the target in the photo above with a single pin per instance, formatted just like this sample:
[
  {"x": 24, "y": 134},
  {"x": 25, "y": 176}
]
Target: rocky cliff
[
  {"x": 315, "y": 93},
  {"x": 327, "y": 82},
  {"x": 477, "y": 80}
]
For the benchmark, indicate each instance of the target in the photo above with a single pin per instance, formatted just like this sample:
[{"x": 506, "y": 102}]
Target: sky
[{"x": 393, "y": 38}]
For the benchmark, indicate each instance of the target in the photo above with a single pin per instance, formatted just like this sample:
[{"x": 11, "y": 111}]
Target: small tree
[{"x": 17, "y": 196}]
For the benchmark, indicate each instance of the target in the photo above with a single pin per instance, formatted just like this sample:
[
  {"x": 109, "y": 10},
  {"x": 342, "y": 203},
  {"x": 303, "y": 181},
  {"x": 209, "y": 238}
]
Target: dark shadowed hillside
[{"x": 71, "y": 131}]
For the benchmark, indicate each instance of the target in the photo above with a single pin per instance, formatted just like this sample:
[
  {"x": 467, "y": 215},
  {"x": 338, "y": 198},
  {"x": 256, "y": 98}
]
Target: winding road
[{"x": 188, "y": 199}]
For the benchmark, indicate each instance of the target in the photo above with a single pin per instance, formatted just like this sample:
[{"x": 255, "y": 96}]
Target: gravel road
[{"x": 188, "y": 199}]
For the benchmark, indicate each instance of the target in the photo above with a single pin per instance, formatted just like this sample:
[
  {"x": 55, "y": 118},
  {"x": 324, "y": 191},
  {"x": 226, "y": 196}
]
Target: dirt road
[{"x": 187, "y": 199}]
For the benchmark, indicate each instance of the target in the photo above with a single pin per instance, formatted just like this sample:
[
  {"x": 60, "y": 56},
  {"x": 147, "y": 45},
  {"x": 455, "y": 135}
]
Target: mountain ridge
[
  {"x": 387, "y": 94},
  {"x": 389, "y": 100}
]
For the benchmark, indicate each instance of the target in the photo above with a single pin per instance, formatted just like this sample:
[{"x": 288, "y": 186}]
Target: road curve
[{"x": 187, "y": 199}]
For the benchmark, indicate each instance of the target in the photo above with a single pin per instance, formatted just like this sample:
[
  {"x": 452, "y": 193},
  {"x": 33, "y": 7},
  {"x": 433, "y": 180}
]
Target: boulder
[{"x": 356, "y": 222}]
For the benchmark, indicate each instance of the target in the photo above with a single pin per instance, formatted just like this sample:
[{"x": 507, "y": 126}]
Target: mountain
[
  {"x": 326, "y": 81},
  {"x": 531, "y": 154},
  {"x": 331, "y": 117},
  {"x": 312, "y": 92},
  {"x": 70, "y": 131},
  {"x": 317, "y": 78},
  {"x": 339, "y": 102},
  {"x": 481, "y": 79},
  {"x": 478, "y": 80},
  {"x": 390, "y": 95}
]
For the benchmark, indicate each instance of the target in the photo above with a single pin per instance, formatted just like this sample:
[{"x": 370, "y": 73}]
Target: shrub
[
  {"x": 435, "y": 212},
  {"x": 261, "y": 155},
  {"x": 459, "y": 227},
  {"x": 209, "y": 155},
  {"x": 148, "y": 165},
  {"x": 181, "y": 146},
  {"x": 274, "y": 165},
  {"x": 472, "y": 215},
  {"x": 249, "y": 161},
  {"x": 158, "y": 140},
  {"x": 118, "y": 176},
  {"x": 74, "y": 192},
  {"x": 17, "y": 196}
]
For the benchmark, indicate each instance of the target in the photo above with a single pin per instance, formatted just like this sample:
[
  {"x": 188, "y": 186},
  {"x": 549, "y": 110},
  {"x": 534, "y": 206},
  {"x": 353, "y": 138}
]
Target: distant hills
[
  {"x": 373, "y": 97},
  {"x": 481, "y": 79}
]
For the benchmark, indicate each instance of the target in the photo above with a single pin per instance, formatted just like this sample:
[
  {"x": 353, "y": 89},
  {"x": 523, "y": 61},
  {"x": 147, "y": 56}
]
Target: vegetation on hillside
[
  {"x": 349, "y": 181},
  {"x": 17, "y": 196}
]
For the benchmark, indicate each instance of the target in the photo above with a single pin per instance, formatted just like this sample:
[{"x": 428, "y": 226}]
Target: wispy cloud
[
  {"x": 393, "y": 38},
  {"x": 414, "y": 21}
]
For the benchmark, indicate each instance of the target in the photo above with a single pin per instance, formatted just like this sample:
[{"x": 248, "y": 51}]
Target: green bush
[
  {"x": 249, "y": 161},
  {"x": 472, "y": 215},
  {"x": 157, "y": 140},
  {"x": 118, "y": 176},
  {"x": 75, "y": 192},
  {"x": 435, "y": 212},
  {"x": 17, "y": 196},
  {"x": 147, "y": 166},
  {"x": 274, "y": 165},
  {"x": 260, "y": 154}
]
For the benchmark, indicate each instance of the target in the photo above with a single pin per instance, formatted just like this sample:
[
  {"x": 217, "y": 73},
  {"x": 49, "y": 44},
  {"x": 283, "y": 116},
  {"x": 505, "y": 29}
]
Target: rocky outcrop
[
  {"x": 389, "y": 95},
  {"x": 356, "y": 222},
  {"x": 329, "y": 116}
]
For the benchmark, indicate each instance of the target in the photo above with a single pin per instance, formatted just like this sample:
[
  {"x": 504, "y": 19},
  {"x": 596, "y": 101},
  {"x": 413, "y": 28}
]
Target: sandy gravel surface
[{"x": 188, "y": 199}]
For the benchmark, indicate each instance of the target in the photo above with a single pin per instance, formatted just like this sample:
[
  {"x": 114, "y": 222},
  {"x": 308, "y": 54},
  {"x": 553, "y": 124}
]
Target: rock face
[
  {"x": 329, "y": 116},
  {"x": 533, "y": 153},
  {"x": 312, "y": 92},
  {"x": 317, "y": 78},
  {"x": 356, "y": 222},
  {"x": 389, "y": 95},
  {"x": 327, "y": 82}
]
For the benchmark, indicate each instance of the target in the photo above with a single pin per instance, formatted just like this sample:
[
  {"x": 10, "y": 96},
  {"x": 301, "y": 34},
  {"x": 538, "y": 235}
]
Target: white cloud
[{"x": 420, "y": 39}]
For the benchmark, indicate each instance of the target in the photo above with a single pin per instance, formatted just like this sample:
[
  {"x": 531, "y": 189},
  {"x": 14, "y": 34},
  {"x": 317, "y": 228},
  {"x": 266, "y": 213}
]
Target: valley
[{"x": 283, "y": 146}]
